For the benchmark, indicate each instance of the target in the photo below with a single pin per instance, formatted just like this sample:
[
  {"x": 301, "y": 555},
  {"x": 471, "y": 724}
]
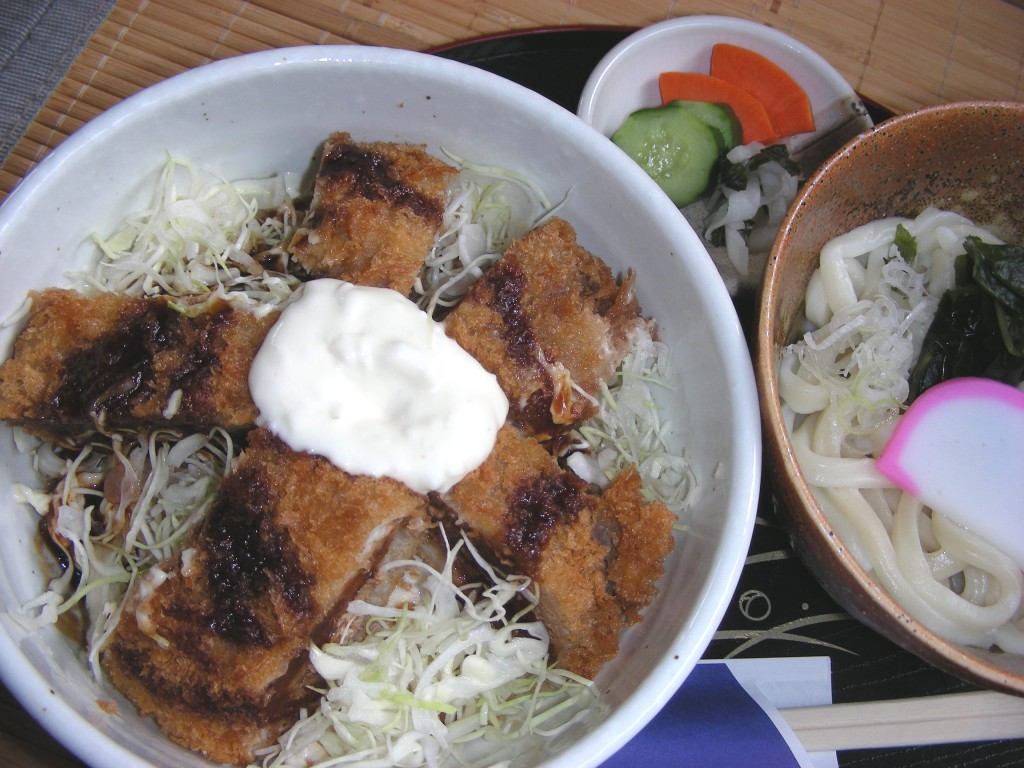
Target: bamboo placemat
[{"x": 900, "y": 54}]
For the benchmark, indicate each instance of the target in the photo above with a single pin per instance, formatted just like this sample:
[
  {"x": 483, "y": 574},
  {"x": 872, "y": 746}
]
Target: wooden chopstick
[{"x": 948, "y": 719}]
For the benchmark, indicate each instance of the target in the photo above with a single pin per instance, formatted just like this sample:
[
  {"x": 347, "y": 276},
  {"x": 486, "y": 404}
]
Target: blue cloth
[{"x": 711, "y": 721}]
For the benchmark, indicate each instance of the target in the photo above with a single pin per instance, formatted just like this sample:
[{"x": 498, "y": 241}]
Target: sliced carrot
[
  {"x": 786, "y": 102},
  {"x": 694, "y": 86}
]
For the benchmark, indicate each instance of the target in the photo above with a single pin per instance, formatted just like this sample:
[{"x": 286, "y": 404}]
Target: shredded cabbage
[
  {"x": 198, "y": 235},
  {"x": 444, "y": 676},
  {"x": 628, "y": 429},
  {"x": 118, "y": 508},
  {"x": 487, "y": 208}
]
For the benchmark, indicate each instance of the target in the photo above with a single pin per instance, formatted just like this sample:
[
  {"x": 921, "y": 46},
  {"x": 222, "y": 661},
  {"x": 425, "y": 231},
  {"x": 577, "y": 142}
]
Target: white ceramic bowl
[
  {"x": 268, "y": 112},
  {"x": 626, "y": 79}
]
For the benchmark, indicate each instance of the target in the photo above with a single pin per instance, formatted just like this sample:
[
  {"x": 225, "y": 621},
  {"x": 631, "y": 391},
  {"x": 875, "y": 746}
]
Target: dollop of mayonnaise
[{"x": 368, "y": 380}]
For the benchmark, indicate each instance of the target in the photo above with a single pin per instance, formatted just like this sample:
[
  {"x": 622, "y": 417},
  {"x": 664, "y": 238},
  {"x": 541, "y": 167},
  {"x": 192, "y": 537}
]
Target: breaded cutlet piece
[
  {"x": 595, "y": 559},
  {"x": 217, "y": 650},
  {"x": 376, "y": 210},
  {"x": 545, "y": 318},
  {"x": 113, "y": 361},
  {"x": 640, "y": 537}
]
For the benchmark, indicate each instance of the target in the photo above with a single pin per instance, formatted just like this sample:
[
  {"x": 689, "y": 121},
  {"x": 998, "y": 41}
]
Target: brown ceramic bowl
[{"x": 968, "y": 157}]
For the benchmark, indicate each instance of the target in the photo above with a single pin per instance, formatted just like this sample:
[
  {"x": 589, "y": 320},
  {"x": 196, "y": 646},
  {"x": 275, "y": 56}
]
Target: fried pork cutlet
[
  {"x": 595, "y": 558},
  {"x": 217, "y": 649},
  {"x": 113, "y": 361},
  {"x": 548, "y": 317},
  {"x": 375, "y": 213}
]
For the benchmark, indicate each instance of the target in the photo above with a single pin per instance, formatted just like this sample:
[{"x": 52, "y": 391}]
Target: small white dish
[{"x": 626, "y": 79}]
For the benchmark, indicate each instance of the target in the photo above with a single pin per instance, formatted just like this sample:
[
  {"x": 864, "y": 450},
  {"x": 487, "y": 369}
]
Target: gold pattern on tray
[{"x": 900, "y": 54}]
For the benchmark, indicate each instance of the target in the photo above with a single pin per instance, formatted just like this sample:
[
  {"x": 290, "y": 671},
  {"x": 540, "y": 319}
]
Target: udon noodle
[{"x": 844, "y": 385}]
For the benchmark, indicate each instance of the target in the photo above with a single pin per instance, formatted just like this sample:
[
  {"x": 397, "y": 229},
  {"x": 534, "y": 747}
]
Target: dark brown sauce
[
  {"x": 371, "y": 176},
  {"x": 508, "y": 284},
  {"x": 71, "y": 623},
  {"x": 248, "y": 556},
  {"x": 108, "y": 379},
  {"x": 220, "y": 701},
  {"x": 108, "y": 375},
  {"x": 536, "y": 507},
  {"x": 534, "y": 416},
  {"x": 203, "y": 354}
]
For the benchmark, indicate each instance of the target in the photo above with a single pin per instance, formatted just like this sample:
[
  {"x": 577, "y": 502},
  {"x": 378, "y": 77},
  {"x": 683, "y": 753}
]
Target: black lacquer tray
[{"x": 778, "y": 609}]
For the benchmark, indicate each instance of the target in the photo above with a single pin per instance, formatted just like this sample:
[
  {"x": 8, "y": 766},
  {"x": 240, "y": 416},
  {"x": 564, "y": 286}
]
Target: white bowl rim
[
  {"x": 76, "y": 733},
  {"x": 755, "y": 29}
]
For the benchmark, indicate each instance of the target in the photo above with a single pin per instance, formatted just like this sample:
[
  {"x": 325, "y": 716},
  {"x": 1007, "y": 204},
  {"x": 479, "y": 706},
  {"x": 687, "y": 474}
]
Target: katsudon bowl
[{"x": 268, "y": 113}]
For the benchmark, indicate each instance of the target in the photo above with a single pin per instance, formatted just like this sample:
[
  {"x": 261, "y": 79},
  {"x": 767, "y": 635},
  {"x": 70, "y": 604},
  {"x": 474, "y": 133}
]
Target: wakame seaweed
[
  {"x": 978, "y": 329},
  {"x": 999, "y": 270}
]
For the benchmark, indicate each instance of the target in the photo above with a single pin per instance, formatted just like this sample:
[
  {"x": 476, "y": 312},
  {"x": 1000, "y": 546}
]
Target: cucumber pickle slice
[
  {"x": 719, "y": 117},
  {"x": 676, "y": 148}
]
